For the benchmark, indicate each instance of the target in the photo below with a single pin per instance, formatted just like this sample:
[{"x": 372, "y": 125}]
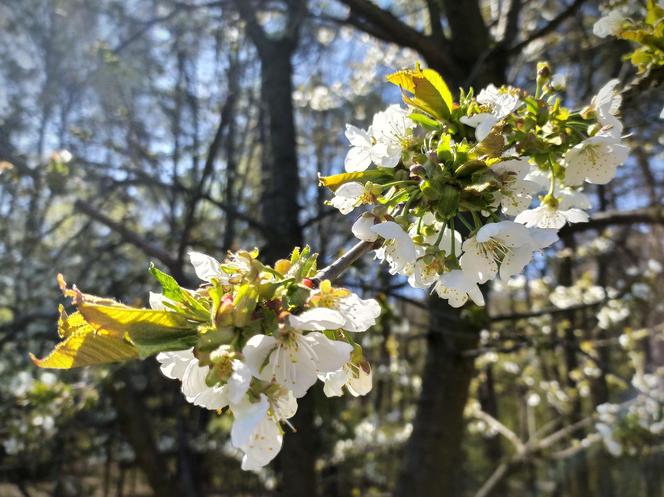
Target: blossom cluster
[
  {"x": 645, "y": 27},
  {"x": 271, "y": 336},
  {"x": 639, "y": 422},
  {"x": 462, "y": 192}
]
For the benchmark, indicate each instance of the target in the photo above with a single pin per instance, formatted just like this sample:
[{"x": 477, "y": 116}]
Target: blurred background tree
[{"x": 137, "y": 130}]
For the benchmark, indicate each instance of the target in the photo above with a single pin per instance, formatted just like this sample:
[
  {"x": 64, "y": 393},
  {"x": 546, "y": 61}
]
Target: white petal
[
  {"x": 359, "y": 314},
  {"x": 362, "y": 384},
  {"x": 511, "y": 234},
  {"x": 193, "y": 380},
  {"x": 357, "y": 159},
  {"x": 357, "y": 137},
  {"x": 255, "y": 352},
  {"x": 174, "y": 364},
  {"x": 239, "y": 382},
  {"x": 206, "y": 267},
  {"x": 334, "y": 382},
  {"x": 389, "y": 230},
  {"x": 362, "y": 228},
  {"x": 514, "y": 261},
  {"x": 248, "y": 415},
  {"x": 332, "y": 354},
  {"x": 285, "y": 406},
  {"x": 543, "y": 238},
  {"x": 263, "y": 446},
  {"x": 317, "y": 319},
  {"x": 212, "y": 398}
]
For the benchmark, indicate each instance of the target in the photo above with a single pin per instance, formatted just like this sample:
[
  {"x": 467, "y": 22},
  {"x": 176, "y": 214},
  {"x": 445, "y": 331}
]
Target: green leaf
[
  {"x": 172, "y": 290},
  {"x": 424, "y": 121},
  {"x": 170, "y": 287}
]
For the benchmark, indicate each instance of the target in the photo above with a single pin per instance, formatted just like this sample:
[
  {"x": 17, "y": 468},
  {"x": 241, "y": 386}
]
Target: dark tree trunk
[
  {"x": 134, "y": 424},
  {"x": 280, "y": 211},
  {"x": 280, "y": 179},
  {"x": 434, "y": 451}
]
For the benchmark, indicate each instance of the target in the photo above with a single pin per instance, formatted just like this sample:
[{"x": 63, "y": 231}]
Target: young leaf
[
  {"x": 336, "y": 180},
  {"x": 84, "y": 345},
  {"x": 151, "y": 331},
  {"x": 430, "y": 92}
]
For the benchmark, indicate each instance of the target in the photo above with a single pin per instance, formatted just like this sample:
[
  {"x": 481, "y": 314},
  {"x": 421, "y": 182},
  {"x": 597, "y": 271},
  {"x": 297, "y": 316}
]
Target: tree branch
[
  {"x": 549, "y": 28},
  {"x": 128, "y": 235},
  {"x": 646, "y": 215},
  {"x": 334, "y": 270}
]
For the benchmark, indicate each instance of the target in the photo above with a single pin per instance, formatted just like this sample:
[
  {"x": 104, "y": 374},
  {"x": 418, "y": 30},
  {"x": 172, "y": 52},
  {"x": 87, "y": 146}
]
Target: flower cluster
[
  {"x": 251, "y": 339},
  {"x": 461, "y": 192},
  {"x": 646, "y": 29},
  {"x": 274, "y": 335},
  {"x": 626, "y": 428}
]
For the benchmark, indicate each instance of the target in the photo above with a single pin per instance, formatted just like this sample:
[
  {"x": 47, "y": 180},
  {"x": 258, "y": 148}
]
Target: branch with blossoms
[
  {"x": 450, "y": 185},
  {"x": 458, "y": 193}
]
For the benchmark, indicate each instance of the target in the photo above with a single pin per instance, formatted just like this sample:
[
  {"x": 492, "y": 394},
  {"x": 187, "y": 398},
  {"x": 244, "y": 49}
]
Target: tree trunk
[
  {"x": 135, "y": 426},
  {"x": 433, "y": 453}
]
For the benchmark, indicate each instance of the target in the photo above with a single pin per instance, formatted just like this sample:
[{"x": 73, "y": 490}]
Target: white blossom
[
  {"x": 183, "y": 366},
  {"x": 355, "y": 378},
  {"x": 362, "y": 228},
  {"x": 606, "y": 105},
  {"x": 399, "y": 250},
  {"x": 457, "y": 286},
  {"x": 505, "y": 244},
  {"x": 348, "y": 196},
  {"x": 547, "y": 216},
  {"x": 594, "y": 160},
  {"x": 516, "y": 192},
  {"x": 381, "y": 144},
  {"x": 294, "y": 360},
  {"x": 206, "y": 267},
  {"x": 501, "y": 103},
  {"x": 609, "y": 25}
]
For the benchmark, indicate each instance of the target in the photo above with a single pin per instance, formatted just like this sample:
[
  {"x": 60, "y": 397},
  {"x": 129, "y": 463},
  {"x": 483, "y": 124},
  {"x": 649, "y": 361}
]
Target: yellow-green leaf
[
  {"x": 85, "y": 346},
  {"x": 121, "y": 319},
  {"x": 336, "y": 180},
  {"x": 430, "y": 92}
]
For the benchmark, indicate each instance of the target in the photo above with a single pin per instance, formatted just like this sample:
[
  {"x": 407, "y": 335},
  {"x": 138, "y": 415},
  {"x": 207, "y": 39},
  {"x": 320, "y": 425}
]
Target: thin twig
[{"x": 334, "y": 270}]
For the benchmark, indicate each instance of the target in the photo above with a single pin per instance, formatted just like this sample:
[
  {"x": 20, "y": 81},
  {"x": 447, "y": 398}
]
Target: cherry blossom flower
[
  {"x": 183, "y": 366},
  {"x": 294, "y": 360},
  {"x": 256, "y": 429},
  {"x": 359, "y": 314},
  {"x": 606, "y": 105},
  {"x": 594, "y": 160},
  {"x": 506, "y": 244},
  {"x": 348, "y": 196},
  {"x": 501, "y": 104},
  {"x": 457, "y": 286},
  {"x": 399, "y": 250},
  {"x": 391, "y": 127},
  {"x": 609, "y": 25},
  {"x": 516, "y": 192},
  {"x": 548, "y": 216},
  {"x": 381, "y": 144},
  {"x": 356, "y": 379}
]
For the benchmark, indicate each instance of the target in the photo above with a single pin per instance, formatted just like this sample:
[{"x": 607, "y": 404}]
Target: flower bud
[
  {"x": 417, "y": 171},
  {"x": 282, "y": 266},
  {"x": 543, "y": 73},
  {"x": 448, "y": 205}
]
